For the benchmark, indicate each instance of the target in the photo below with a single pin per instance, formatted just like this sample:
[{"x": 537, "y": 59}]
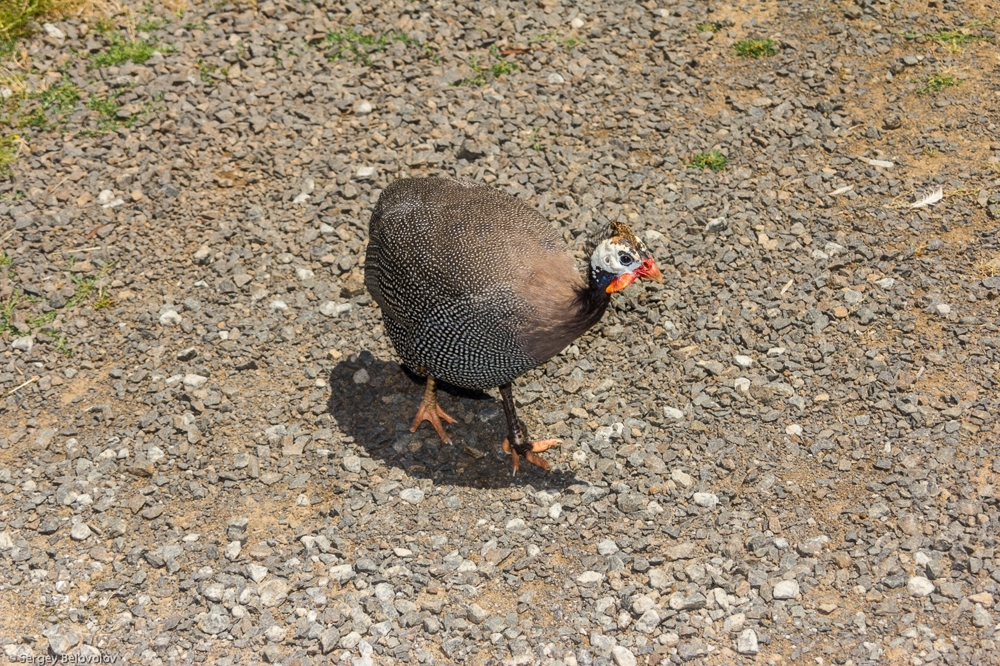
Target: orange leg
[
  {"x": 429, "y": 410},
  {"x": 515, "y": 444}
]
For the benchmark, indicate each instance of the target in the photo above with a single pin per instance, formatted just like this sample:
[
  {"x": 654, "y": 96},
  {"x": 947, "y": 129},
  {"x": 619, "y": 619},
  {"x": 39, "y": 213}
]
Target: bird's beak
[{"x": 647, "y": 270}]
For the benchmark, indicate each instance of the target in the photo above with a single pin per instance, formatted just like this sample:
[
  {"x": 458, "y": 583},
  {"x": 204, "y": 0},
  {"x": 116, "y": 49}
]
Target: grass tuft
[
  {"x": 485, "y": 73},
  {"x": 937, "y": 83},
  {"x": 755, "y": 48},
  {"x": 10, "y": 146},
  {"x": 120, "y": 51},
  {"x": 714, "y": 160},
  {"x": 20, "y": 18},
  {"x": 358, "y": 48}
]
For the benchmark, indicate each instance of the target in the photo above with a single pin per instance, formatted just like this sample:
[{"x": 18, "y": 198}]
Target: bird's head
[{"x": 619, "y": 258}]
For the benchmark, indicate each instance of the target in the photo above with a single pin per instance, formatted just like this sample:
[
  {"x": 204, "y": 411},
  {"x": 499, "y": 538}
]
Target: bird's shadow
[{"x": 373, "y": 402}]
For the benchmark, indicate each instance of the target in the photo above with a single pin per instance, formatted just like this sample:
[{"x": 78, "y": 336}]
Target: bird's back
[{"x": 459, "y": 270}]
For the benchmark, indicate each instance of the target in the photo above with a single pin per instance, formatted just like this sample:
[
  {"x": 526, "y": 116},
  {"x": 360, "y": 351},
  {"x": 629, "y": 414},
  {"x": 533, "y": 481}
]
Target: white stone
[
  {"x": 232, "y": 550},
  {"x": 275, "y": 634},
  {"x": 576, "y": 23},
  {"x": 331, "y": 309},
  {"x": 793, "y": 429},
  {"x": 673, "y": 413},
  {"x": 516, "y": 524},
  {"x": 278, "y": 305},
  {"x": 942, "y": 309},
  {"x": 786, "y": 589},
  {"x": 681, "y": 477},
  {"x": 304, "y": 274},
  {"x": 886, "y": 283},
  {"x": 707, "y": 500},
  {"x": 194, "y": 381},
  {"x": 747, "y": 642},
  {"x": 775, "y": 352},
  {"x": 301, "y": 197},
  {"x": 257, "y": 572},
  {"x": 170, "y": 318},
  {"x": 743, "y": 361},
  {"x": 623, "y": 656},
  {"x": 105, "y": 196},
  {"x": 918, "y": 586},
  {"x": 742, "y": 384},
  {"x": 555, "y": 511},
  {"x": 735, "y": 622},
  {"x": 273, "y": 592},
  {"x": 363, "y": 108},
  {"x": 607, "y": 547},
  {"x": 589, "y": 578},
  {"x": 23, "y": 344},
  {"x": 412, "y": 495},
  {"x": 364, "y": 173},
  {"x": 53, "y": 31},
  {"x": 80, "y": 531},
  {"x": 555, "y": 79}
]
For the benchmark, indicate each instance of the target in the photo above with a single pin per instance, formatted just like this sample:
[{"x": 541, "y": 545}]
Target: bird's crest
[{"x": 619, "y": 232}]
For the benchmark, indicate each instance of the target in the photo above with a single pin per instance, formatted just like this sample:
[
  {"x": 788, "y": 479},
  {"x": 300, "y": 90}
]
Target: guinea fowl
[{"x": 476, "y": 288}]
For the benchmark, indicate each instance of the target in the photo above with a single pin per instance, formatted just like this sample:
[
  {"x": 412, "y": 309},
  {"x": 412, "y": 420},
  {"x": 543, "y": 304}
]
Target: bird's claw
[
  {"x": 531, "y": 455},
  {"x": 433, "y": 414}
]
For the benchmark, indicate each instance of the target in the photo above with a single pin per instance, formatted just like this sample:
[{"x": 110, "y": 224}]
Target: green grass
[
  {"x": 952, "y": 39},
  {"x": 714, "y": 160},
  {"x": 567, "y": 43},
  {"x": 121, "y": 50},
  {"x": 937, "y": 83},
  {"x": 707, "y": 27},
  {"x": 150, "y": 24},
  {"x": 9, "y": 148},
  {"x": 20, "y": 18},
  {"x": 755, "y": 48},
  {"x": 485, "y": 73},
  {"x": 358, "y": 48},
  {"x": 107, "y": 112},
  {"x": 85, "y": 289}
]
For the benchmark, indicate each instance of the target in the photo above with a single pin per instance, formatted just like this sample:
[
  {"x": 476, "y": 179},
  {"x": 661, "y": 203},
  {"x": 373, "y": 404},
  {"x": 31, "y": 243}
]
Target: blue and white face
[{"x": 622, "y": 262}]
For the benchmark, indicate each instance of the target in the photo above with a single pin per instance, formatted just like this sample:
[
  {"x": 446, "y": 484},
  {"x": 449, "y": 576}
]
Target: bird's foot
[
  {"x": 531, "y": 453},
  {"x": 432, "y": 412}
]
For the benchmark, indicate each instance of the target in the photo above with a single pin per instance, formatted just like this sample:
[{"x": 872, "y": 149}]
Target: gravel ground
[{"x": 786, "y": 453}]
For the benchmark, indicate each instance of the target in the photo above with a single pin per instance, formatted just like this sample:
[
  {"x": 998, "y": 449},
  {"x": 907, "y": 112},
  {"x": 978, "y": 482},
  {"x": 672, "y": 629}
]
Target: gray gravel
[{"x": 785, "y": 453}]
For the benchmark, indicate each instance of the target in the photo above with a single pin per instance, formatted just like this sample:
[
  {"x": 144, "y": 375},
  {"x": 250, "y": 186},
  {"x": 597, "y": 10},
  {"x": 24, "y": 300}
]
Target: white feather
[
  {"x": 842, "y": 190},
  {"x": 931, "y": 197}
]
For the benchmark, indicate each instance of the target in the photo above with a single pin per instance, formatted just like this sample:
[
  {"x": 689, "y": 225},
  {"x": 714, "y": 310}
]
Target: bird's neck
[{"x": 592, "y": 300}]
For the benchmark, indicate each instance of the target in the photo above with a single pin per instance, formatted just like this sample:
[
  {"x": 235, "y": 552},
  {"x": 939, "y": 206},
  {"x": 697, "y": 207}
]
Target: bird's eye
[{"x": 625, "y": 258}]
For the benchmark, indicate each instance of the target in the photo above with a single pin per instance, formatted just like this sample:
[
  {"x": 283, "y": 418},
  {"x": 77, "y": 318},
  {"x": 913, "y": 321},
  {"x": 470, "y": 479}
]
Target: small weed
[
  {"x": 755, "y": 48},
  {"x": 104, "y": 25},
  {"x": 483, "y": 74},
  {"x": 714, "y": 160},
  {"x": 353, "y": 46},
  {"x": 707, "y": 27},
  {"x": 151, "y": 24},
  {"x": 930, "y": 152},
  {"x": 358, "y": 48},
  {"x": 953, "y": 40},
  {"x": 197, "y": 25},
  {"x": 937, "y": 83},
  {"x": 85, "y": 290},
  {"x": 19, "y": 18},
  {"x": 35, "y": 119},
  {"x": 567, "y": 43},
  {"x": 10, "y": 146},
  {"x": 121, "y": 51},
  {"x": 205, "y": 71},
  {"x": 62, "y": 97},
  {"x": 60, "y": 342}
]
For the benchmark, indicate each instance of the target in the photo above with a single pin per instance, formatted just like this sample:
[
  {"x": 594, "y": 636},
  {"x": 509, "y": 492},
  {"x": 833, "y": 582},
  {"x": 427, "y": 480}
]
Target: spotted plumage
[{"x": 476, "y": 287}]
